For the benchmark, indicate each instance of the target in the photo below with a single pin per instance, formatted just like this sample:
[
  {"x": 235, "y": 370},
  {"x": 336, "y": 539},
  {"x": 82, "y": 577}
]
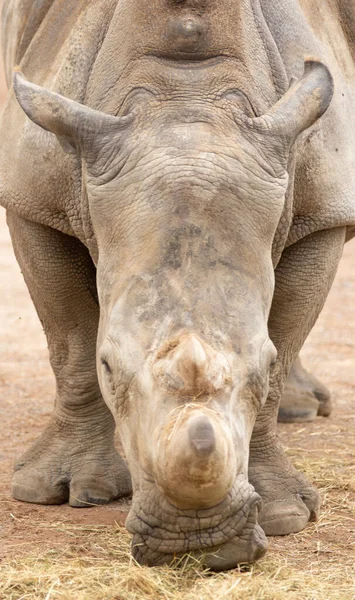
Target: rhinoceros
[{"x": 178, "y": 179}]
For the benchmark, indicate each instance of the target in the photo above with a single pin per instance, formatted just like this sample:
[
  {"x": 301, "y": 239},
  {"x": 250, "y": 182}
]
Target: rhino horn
[
  {"x": 190, "y": 366},
  {"x": 305, "y": 102},
  {"x": 76, "y": 126},
  {"x": 196, "y": 461}
]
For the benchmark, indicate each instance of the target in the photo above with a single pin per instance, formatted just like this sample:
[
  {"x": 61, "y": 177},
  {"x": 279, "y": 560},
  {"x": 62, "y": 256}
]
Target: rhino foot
[
  {"x": 60, "y": 468},
  {"x": 304, "y": 397},
  {"x": 289, "y": 500}
]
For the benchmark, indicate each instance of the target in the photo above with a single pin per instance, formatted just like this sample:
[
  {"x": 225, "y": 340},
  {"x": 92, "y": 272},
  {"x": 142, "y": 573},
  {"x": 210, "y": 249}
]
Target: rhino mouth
[{"x": 224, "y": 535}]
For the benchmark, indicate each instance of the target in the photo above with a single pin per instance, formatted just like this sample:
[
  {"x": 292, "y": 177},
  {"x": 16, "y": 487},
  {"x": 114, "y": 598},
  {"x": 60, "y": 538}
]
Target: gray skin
[{"x": 184, "y": 244}]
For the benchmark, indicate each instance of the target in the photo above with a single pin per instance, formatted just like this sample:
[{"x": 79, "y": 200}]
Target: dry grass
[
  {"x": 102, "y": 569},
  {"x": 316, "y": 564}
]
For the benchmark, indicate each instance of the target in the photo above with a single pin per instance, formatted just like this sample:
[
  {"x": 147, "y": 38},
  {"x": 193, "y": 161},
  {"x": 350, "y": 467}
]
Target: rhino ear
[
  {"x": 77, "y": 127},
  {"x": 306, "y": 100}
]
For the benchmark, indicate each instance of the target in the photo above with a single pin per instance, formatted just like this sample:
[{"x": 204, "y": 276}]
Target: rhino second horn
[{"x": 189, "y": 366}]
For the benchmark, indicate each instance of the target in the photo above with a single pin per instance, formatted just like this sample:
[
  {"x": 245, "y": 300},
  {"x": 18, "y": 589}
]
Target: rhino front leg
[
  {"x": 303, "y": 279},
  {"x": 304, "y": 397},
  {"x": 75, "y": 458}
]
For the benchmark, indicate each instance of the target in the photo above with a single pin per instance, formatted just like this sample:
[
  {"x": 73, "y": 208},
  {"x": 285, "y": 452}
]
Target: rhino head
[{"x": 185, "y": 198}]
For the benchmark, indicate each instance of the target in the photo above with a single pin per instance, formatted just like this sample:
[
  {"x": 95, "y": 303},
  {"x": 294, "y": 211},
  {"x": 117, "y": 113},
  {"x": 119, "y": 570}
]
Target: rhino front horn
[
  {"x": 196, "y": 462},
  {"x": 189, "y": 366}
]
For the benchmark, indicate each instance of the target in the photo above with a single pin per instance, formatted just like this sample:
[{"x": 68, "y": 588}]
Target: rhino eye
[{"x": 106, "y": 366}]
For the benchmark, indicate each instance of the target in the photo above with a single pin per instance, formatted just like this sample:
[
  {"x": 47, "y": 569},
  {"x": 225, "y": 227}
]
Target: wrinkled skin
[{"x": 183, "y": 246}]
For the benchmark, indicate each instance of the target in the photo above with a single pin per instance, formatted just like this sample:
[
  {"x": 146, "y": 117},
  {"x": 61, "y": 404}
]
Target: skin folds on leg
[{"x": 75, "y": 458}]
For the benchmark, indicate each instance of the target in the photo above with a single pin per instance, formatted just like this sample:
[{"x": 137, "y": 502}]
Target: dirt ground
[{"x": 325, "y": 449}]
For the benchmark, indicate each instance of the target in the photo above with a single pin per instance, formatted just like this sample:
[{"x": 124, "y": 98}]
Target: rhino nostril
[{"x": 202, "y": 436}]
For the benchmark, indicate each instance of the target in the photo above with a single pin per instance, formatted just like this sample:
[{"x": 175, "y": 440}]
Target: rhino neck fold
[{"x": 186, "y": 32}]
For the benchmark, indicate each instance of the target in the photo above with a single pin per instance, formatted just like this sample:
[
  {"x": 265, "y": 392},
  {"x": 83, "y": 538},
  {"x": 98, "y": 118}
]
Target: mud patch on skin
[
  {"x": 175, "y": 254},
  {"x": 167, "y": 347}
]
